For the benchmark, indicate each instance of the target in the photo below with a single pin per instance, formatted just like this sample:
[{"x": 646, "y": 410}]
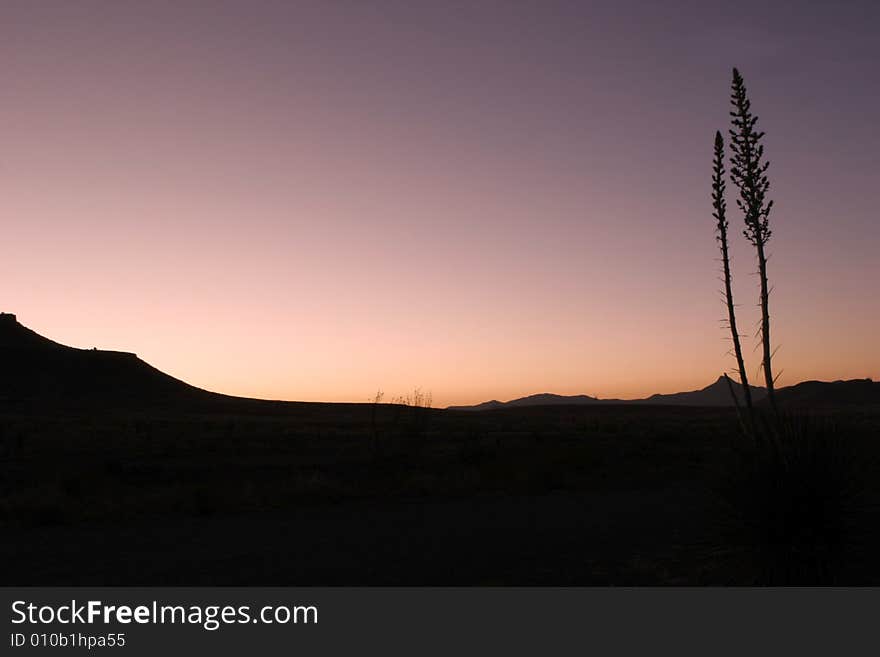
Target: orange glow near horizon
[{"x": 368, "y": 207}]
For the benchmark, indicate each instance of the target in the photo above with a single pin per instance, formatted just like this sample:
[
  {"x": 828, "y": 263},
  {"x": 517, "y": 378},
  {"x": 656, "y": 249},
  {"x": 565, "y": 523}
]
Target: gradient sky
[{"x": 313, "y": 200}]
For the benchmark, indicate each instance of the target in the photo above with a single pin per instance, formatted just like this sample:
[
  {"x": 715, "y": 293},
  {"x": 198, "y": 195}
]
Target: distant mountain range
[
  {"x": 813, "y": 394},
  {"x": 716, "y": 394},
  {"x": 36, "y": 370}
]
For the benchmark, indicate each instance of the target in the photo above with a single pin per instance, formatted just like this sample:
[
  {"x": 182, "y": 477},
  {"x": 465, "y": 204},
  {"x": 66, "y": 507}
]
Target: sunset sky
[{"x": 316, "y": 200}]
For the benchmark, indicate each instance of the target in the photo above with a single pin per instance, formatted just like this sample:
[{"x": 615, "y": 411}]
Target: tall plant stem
[{"x": 720, "y": 208}]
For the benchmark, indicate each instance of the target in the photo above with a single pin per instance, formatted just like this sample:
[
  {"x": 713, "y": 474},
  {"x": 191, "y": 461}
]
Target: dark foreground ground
[{"x": 298, "y": 494}]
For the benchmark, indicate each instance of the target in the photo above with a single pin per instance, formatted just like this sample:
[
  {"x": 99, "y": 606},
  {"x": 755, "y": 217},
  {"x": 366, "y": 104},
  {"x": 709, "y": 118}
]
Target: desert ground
[{"x": 264, "y": 493}]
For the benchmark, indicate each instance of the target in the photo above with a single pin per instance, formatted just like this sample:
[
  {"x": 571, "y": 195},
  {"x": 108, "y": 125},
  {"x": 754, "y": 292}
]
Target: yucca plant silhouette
[
  {"x": 719, "y": 207},
  {"x": 748, "y": 172}
]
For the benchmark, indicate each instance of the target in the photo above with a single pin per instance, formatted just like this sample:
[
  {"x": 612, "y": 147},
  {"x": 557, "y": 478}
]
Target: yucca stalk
[
  {"x": 719, "y": 207},
  {"x": 748, "y": 171}
]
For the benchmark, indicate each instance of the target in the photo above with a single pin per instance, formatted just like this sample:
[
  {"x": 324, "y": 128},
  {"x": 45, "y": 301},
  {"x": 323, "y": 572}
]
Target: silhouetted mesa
[{"x": 36, "y": 369}]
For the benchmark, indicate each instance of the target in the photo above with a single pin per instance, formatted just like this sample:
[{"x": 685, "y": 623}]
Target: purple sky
[{"x": 489, "y": 199}]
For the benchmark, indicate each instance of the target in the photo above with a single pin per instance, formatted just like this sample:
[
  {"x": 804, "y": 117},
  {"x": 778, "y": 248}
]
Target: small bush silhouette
[{"x": 399, "y": 428}]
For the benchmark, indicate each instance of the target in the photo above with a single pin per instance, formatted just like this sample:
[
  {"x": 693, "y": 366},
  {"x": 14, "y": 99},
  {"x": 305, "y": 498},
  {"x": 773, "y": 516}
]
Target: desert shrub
[
  {"x": 399, "y": 428},
  {"x": 792, "y": 506}
]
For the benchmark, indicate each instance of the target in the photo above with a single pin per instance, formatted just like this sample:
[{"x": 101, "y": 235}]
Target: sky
[{"x": 319, "y": 200}]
